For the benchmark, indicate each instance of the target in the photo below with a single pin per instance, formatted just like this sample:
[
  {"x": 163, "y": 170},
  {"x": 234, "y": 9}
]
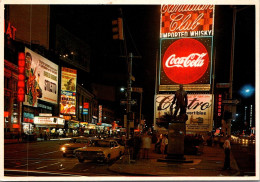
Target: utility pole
[
  {"x": 129, "y": 91},
  {"x": 232, "y": 53}
]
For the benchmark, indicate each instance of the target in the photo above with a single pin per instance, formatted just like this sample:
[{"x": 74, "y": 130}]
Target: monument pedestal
[{"x": 176, "y": 135}]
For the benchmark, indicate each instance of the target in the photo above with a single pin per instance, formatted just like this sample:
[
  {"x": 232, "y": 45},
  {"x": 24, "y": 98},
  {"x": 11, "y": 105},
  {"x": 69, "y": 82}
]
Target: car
[
  {"x": 74, "y": 143},
  {"x": 100, "y": 151}
]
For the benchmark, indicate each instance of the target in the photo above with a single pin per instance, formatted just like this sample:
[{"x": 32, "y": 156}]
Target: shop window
[
  {"x": 6, "y": 103},
  {"x": 14, "y": 86}
]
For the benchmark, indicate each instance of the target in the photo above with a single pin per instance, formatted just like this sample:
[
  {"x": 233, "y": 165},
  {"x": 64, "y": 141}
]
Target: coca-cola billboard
[
  {"x": 186, "y": 20},
  {"x": 199, "y": 111},
  {"x": 185, "y": 61}
]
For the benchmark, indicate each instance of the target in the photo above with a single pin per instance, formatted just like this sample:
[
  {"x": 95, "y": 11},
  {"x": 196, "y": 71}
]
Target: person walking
[{"x": 227, "y": 148}]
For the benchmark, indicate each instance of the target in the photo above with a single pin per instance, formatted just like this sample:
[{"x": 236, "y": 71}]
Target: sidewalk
[{"x": 208, "y": 164}]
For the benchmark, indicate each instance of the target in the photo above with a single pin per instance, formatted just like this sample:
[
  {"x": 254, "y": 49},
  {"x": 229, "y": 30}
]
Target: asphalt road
[{"x": 45, "y": 159}]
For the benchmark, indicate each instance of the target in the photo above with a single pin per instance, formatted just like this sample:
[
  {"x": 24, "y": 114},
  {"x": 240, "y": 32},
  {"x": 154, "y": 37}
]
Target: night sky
[{"x": 93, "y": 24}]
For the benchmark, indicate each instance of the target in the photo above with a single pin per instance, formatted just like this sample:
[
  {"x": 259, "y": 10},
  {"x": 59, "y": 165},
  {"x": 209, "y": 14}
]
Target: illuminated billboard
[
  {"x": 68, "y": 91},
  {"x": 41, "y": 79},
  {"x": 186, "y": 21},
  {"x": 185, "y": 61},
  {"x": 199, "y": 111}
]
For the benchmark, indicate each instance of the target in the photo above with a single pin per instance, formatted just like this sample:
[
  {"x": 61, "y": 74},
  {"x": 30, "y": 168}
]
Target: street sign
[
  {"x": 230, "y": 101},
  {"x": 133, "y": 102},
  {"x": 137, "y": 89},
  {"x": 223, "y": 85}
]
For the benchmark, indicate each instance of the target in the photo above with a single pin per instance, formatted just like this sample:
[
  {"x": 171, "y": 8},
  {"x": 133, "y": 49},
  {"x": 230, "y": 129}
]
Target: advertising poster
[
  {"x": 41, "y": 79},
  {"x": 199, "y": 111},
  {"x": 185, "y": 61},
  {"x": 178, "y": 21},
  {"x": 68, "y": 91}
]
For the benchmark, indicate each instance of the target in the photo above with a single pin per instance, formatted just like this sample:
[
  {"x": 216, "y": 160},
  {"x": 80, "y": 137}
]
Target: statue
[{"x": 181, "y": 100}]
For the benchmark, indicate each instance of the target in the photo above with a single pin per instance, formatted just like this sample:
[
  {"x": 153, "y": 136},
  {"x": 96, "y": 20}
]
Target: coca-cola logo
[{"x": 185, "y": 61}]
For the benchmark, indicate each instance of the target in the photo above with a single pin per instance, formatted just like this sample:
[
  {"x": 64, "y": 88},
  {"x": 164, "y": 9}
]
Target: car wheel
[
  {"x": 64, "y": 155},
  {"x": 108, "y": 158},
  {"x": 80, "y": 160}
]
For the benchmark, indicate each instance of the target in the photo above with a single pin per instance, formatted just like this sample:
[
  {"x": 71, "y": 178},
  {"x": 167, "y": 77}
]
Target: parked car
[
  {"x": 100, "y": 150},
  {"x": 74, "y": 143}
]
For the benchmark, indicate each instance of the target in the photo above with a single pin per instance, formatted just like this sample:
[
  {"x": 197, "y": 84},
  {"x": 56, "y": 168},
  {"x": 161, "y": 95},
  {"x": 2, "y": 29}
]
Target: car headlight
[
  {"x": 63, "y": 149},
  {"x": 100, "y": 153}
]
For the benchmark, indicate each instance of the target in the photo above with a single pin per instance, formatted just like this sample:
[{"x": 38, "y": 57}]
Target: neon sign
[
  {"x": 21, "y": 77},
  {"x": 10, "y": 30},
  {"x": 187, "y": 20},
  {"x": 185, "y": 61}
]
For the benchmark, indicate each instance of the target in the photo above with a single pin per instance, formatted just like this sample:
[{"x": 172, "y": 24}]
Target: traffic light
[{"x": 117, "y": 29}]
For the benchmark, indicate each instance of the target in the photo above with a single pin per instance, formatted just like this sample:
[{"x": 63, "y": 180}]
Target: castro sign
[{"x": 185, "y": 61}]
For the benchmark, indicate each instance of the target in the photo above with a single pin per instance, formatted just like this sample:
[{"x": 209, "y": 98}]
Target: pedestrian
[
  {"x": 158, "y": 144},
  {"x": 146, "y": 145},
  {"x": 227, "y": 148},
  {"x": 164, "y": 143},
  {"x": 137, "y": 146}
]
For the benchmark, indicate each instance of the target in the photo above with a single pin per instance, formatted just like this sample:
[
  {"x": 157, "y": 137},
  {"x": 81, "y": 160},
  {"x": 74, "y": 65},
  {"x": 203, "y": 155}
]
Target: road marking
[
  {"x": 41, "y": 167},
  {"x": 49, "y": 152}
]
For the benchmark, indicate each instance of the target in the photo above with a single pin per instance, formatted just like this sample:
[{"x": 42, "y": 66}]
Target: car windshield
[
  {"x": 101, "y": 144},
  {"x": 82, "y": 141}
]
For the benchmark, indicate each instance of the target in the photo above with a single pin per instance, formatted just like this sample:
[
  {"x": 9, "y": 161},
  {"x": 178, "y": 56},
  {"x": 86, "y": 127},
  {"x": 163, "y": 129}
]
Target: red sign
[
  {"x": 21, "y": 77},
  {"x": 185, "y": 61},
  {"x": 219, "y": 104},
  {"x": 86, "y": 105},
  {"x": 187, "y": 20},
  {"x": 16, "y": 126},
  {"x": 9, "y": 30}
]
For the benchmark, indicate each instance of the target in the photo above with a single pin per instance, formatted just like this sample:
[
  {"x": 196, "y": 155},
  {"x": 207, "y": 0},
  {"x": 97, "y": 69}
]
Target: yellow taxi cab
[
  {"x": 74, "y": 143},
  {"x": 100, "y": 150}
]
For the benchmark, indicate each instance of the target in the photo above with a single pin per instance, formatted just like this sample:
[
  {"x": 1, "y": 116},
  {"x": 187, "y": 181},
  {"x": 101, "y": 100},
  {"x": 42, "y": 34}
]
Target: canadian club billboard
[
  {"x": 187, "y": 20},
  {"x": 199, "y": 112},
  {"x": 186, "y": 37}
]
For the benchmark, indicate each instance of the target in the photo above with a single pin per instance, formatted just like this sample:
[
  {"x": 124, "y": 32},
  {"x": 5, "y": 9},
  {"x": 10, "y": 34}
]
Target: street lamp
[
  {"x": 122, "y": 89},
  {"x": 247, "y": 91}
]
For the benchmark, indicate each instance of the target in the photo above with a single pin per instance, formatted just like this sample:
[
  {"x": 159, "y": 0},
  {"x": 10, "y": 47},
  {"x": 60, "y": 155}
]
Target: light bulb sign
[
  {"x": 187, "y": 20},
  {"x": 185, "y": 61}
]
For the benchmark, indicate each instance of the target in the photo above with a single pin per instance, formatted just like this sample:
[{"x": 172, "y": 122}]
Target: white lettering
[{"x": 193, "y": 60}]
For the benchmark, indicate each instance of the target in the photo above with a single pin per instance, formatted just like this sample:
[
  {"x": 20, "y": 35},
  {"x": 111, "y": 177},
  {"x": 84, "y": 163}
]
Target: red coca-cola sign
[{"x": 185, "y": 61}]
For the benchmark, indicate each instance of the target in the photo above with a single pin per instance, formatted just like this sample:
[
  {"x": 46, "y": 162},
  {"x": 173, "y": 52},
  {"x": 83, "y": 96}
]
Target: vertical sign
[
  {"x": 21, "y": 77},
  {"x": 100, "y": 113},
  {"x": 68, "y": 91},
  {"x": 219, "y": 104}
]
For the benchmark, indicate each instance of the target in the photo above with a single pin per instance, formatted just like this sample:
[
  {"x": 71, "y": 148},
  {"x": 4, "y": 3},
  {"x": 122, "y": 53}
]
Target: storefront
[
  {"x": 49, "y": 126},
  {"x": 73, "y": 128},
  {"x": 11, "y": 106}
]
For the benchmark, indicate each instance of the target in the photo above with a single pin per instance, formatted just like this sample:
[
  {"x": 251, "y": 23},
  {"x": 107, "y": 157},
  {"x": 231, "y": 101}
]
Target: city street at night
[
  {"x": 45, "y": 159},
  {"x": 130, "y": 91}
]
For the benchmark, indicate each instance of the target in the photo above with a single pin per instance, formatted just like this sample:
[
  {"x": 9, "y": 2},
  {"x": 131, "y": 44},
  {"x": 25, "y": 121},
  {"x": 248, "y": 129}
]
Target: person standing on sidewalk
[
  {"x": 146, "y": 145},
  {"x": 164, "y": 143},
  {"x": 227, "y": 148}
]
